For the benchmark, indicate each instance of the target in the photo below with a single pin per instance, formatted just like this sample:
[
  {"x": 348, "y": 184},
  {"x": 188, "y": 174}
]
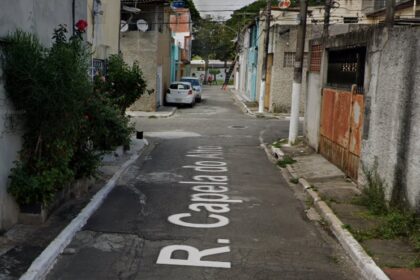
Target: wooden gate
[{"x": 341, "y": 128}]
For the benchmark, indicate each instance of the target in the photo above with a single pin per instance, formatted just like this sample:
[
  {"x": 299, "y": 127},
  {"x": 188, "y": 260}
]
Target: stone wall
[{"x": 282, "y": 74}]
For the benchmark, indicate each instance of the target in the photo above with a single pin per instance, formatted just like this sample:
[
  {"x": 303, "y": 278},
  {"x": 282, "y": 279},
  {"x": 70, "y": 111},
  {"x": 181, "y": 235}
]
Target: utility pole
[
  {"x": 265, "y": 57},
  {"x": 297, "y": 75},
  {"x": 390, "y": 13},
  {"x": 327, "y": 14}
]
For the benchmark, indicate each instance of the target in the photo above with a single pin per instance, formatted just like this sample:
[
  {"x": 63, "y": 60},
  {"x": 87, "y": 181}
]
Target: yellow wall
[{"x": 103, "y": 30}]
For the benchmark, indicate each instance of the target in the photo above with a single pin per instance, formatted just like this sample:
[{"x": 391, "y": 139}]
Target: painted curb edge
[
  {"x": 366, "y": 265},
  {"x": 46, "y": 260}
]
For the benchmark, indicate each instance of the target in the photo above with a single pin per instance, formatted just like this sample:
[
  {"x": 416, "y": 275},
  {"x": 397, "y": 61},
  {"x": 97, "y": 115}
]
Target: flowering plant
[{"x": 81, "y": 25}]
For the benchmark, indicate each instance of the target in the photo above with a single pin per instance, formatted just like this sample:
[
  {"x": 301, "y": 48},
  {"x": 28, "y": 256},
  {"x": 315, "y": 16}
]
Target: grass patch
[
  {"x": 309, "y": 202},
  {"x": 294, "y": 180},
  {"x": 394, "y": 222},
  {"x": 279, "y": 143},
  {"x": 285, "y": 161}
]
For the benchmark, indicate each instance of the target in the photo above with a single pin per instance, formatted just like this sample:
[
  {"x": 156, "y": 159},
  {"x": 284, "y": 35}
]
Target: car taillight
[
  {"x": 190, "y": 92},
  {"x": 168, "y": 91}
]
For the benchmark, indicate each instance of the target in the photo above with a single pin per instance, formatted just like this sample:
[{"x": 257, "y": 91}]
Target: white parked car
[
  {"x": 181, "y": 93},
  {"x": 196, "y": 84}
]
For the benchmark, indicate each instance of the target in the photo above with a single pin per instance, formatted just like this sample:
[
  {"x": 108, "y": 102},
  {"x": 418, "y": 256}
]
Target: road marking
[{"x": 211, "y": 196}]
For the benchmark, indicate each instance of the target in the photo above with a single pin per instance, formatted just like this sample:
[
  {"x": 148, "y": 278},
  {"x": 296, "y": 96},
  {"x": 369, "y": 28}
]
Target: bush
[
  {"x": 123, "y": 84},
  {"x": 373, "y": 195},
  {"x": 67, "y": 126}
]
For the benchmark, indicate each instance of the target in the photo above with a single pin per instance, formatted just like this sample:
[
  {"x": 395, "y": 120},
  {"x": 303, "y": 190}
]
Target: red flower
[{"x": 81, "y": 25}]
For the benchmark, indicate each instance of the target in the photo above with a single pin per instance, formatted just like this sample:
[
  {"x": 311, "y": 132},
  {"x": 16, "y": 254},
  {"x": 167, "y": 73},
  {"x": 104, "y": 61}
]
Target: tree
[
  {"x": 206, "y": 41},
  {"x": 214, "y": 72},
  {"x": 195, "y": 15}
]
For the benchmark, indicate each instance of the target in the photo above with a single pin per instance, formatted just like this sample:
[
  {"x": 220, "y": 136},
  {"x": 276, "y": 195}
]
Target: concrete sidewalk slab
[
  {"x": 318, "y": 171},
  {"x": 162, "y": 112},
  {"x": 304, "y": 167},
  {"x": 251, "y": 108}
]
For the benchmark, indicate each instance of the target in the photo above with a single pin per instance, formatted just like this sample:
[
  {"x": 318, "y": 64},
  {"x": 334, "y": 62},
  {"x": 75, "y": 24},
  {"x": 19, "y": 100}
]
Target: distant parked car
[
  {"x": 196, "y": 84},
  {"x": 181, "y": 93}
]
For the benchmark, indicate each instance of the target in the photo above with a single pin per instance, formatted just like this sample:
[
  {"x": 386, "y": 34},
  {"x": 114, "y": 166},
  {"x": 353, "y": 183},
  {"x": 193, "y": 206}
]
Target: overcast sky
[{"x": 223, "y": 8}]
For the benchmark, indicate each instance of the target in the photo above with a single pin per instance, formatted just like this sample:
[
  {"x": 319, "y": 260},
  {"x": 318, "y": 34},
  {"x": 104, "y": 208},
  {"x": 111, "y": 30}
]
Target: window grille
[
  {"x": 289, "y": 59},
  {"x": 346, "y": 68},
  {"x": 316, "y": 58}
]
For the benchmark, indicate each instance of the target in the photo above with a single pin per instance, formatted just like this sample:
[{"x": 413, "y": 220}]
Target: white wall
[{"x": 39, "y": 17}]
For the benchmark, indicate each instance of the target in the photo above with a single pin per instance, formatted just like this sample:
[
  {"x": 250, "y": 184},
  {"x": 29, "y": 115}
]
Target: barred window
[
  {"x": 289, "y": 59},
  {"x": 316, "y": 58},
  {"x": 346, "y": 68}
]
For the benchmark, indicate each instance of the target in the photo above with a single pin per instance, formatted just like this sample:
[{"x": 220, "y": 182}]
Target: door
[
  {"x": 268, "y": 81},
  {"x": 341, "y": 129},
  {"x": 159, "y": 87}
]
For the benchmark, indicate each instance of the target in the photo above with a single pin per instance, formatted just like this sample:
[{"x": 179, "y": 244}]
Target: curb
[
  {"x": 157, "y": 115},
  {"x": 243, "y": 106},
  {"x": 366, "y": 265},
  {"x": 46, "y": 260}
]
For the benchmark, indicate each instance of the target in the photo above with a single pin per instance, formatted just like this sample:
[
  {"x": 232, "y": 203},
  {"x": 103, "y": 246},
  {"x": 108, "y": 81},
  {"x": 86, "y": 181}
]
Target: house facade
[
  {"x": 103, "y": 17},
  {"x": 282, "y": 48},
  {"x": 181, "y": 28},
  {"x": 363, "y": 108},
  {"x": 147, "y": 41},
  {"x": 246, "y": 71},
  {"x": 198, "y": 68}
]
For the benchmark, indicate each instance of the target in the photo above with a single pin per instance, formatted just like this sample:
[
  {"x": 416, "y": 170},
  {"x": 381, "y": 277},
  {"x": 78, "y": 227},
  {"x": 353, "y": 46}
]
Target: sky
[{"x": 222, "y": 8}]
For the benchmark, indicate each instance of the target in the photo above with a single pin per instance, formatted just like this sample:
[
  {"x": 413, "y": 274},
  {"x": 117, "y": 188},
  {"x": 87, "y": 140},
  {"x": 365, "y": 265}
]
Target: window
[
  {"x": 316, "y": 58},
  {"x": 350, "y": 19},
  {"x": 183, "y": 86},
  {"x": 346, "y": 68},
  {"x": 194, "y": 82},
  {"x": 289, "y": 59}
]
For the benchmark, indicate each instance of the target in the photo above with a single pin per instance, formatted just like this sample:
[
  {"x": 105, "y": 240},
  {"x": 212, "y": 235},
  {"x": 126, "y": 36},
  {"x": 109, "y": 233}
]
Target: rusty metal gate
[{"x": 341, "y": 128}]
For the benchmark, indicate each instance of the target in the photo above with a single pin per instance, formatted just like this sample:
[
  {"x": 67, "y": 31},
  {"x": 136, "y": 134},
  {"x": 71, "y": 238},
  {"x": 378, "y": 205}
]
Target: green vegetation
[
  {"x": 279, "y": 143},
  {"x": 395, "y": 221},
  {"x": 285, "y": 161},
  {"x": 67, "y": 125},
  {"x": 294, "y": 180},
  {"x": 123, "y": 85}
]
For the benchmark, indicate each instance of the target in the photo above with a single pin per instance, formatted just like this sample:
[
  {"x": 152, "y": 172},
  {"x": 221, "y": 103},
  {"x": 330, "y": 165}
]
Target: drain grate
[{"x": 237, "y": 127}]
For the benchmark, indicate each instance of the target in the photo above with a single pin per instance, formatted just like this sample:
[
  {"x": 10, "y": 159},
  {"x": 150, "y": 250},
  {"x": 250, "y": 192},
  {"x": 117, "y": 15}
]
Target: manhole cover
[{"x": 237, "y": 127}]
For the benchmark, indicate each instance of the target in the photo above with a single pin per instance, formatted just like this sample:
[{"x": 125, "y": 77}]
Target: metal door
[{"x": 341, "y": 128}]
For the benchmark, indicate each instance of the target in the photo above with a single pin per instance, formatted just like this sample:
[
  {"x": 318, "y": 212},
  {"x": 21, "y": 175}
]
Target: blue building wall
[
  {"x": 252, "y": 63},
  {"x": 174, "y": 61}
]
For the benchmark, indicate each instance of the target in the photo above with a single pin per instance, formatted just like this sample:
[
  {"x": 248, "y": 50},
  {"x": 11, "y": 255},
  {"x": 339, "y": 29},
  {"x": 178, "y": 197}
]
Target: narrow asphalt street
[{"x": 204, "y": 203}]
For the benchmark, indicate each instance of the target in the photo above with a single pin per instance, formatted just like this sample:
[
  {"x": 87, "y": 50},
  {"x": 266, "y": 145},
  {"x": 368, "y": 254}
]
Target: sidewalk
[
  {"x": 162, "y": 112},
  {"x": 251, "y": 107},
  {"x": 24, "y": 243},
  {"x": 333, "y": 195}
]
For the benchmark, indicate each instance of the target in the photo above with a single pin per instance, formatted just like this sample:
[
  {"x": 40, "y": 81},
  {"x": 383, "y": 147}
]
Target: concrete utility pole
[
  {"x": 328, "y": 4},
  {"x": 390, "y": 13},
  {"x": 297, "y": 75},
  {"x": 265, "y": 57}
]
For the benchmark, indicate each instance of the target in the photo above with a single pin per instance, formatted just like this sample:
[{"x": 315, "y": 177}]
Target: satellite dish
[
  {"x": 123, "y": 26},
  {"x": 284, "y": 4},
  {"x": 131, "y": 9},
  {"x": 142, "y": 25}
]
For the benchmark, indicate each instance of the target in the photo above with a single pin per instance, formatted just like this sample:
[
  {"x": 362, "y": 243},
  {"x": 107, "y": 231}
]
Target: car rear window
[
  {"x": 179, "y": 86},
  {"x": 194, "y": 82}
]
